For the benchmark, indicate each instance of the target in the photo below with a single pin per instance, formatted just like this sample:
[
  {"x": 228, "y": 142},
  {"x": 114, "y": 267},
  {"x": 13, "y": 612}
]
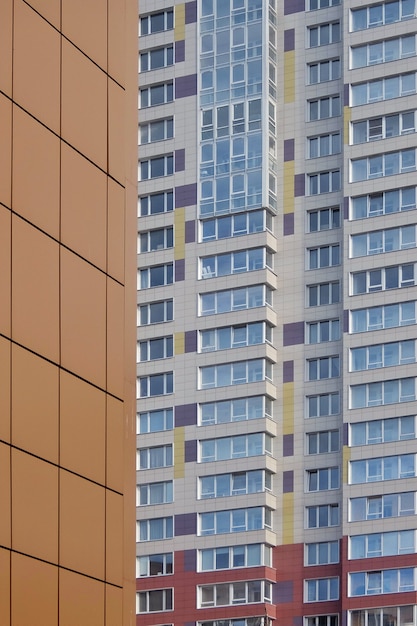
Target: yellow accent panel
[
  {"x": 288, "y": 408},
  {"x": 179, "y": 343},
  {"x": 179, "y": 222},
  {"x": 289, "y": 169},
  {"x": 288, "y": 518},
  {"x": 289, "y": 76},
  {"x": 179, "y": 32},
  {"x": 347, "y": 114},
  {"x": 179, "y": 452},
  {"x": 346, "y": 459}
]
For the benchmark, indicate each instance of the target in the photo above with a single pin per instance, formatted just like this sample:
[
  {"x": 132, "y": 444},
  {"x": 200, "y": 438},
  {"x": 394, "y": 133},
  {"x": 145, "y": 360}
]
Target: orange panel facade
[{"x": 68, "y": 107}]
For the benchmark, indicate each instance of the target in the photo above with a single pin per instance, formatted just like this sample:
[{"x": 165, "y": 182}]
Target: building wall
[
  {"x": 67, "y": 195},
  {"x": 338, "y": 360}
]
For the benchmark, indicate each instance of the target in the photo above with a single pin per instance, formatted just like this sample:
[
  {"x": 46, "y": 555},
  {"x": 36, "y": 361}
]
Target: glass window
[
  {"x": 154, "y": 421},
  {"x": 155, "y": 529}
]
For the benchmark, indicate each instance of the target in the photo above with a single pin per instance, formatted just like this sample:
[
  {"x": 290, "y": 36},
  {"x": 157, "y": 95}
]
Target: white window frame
[
  {"x": 234, "y": 521},
  {"x": 144, "y": 529},
  {"x": 377, "y": 279},
  {"x": 144, "y": 564},
  {"x": 321, "y": 589},
  {"x": 322, "y": 442},
  {"x": 332, "y": 400},
  {"x": 330, "y": 103},
  {"x": 326, "y": 218},
  {"x": 327, "y": 33},
  {"x": 145, "y": 169},
  {"x": 146, "y": 26},
  {"x": 379, "y": 394},
  {"x": 234, "y": 410},
  {"x": 321, "y": 553},
  {"x": 146, "y": 94},
  {"x": 323, "y": 182},
  {"x": 331, "y": 516},
  {"x": 383, "y": 89},
  {"x": 144, "y": 385},
  {"x": 382, "y": 506},
  {"x": 163, "y": 491},
  {"x": 167, "y": 597},
  {"x": 382, "y": 431},
  {"x": 144, "y": 421},
  {"x": 145, "y": 203},
  {"x": 323, "y": 331},
  {"x": 382, "y": 203},
  {"x": 145, "y": 276},
  {"x": 372, "y": 20},
  {"x": 144, "y": 349},
  {"x": 146, "y": 58},
  {"x": 324, "y": 71},
  {"x": 145, "y": 312}
]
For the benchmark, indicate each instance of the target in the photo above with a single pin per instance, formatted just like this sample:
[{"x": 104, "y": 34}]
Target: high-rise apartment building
[
  {"x": 276, "y": 377},
  {"x": 68, "y": 82}
]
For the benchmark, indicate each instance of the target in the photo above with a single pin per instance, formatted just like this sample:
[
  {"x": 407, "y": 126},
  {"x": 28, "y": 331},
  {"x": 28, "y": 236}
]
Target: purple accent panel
[
  {"x": 288, "y": 482},
  {"x": 293, "y": 333},
  {"x": 293, "y": 6},
  {"x": 346, "y": 95},
  {"x": 297, "y": 621},
  {"x": 345, "y": 434},
  {"x": 185, "y": 524},
  {"x": 190, "y": 341},
  {"x": 180, "y": 160},
  {"x": 288, "y": 445},
  {"x": 344, "y": 618},
  {"x": 282, "y": 592},
  {"x": 190, "y": 560},
  {"x": 289, "y": 149},
  {"x": 190, "y": 231},
  {"x": 191, "y": 12},
  {"x": 179, "y": 51},
  {"x": 299, "y": 185},
  {"x": 288, "y": 371},
  {"x": 345, "y": 321},
  {"x": 186, "y": 86},
  {"x": 191, "y": 451},
  {"x": 179, "y": 270},
  {"x": 186, "y": 415},
  {"x": 185, "y": 195},
  {"x": 345, "y": 208},
  {"x": 288, "y": 224},
  {"x": 289, "y": 39}
]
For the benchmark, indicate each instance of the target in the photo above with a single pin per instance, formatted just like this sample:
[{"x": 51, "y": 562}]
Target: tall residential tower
[{"x": 276, "y": 377}]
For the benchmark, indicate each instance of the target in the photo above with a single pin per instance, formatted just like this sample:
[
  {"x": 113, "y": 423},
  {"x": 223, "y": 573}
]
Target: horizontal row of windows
[
  {"x": 234, "y": 593},
  {"x": 383, "y": 51},
  {"x": 380, "y": 241},
  {"x": 252, "y": 555},
  {"x": 381, "y": 279},
  {"x": 382, "y": 468},
  {"x": 256, "y": 481},
  {"x": 381, "y": 393},
  {"x": 381, "y": 13},
  {"x": 383, "y": 203},
  {"x": 220, "y": 412},
  {"x": 226, "y": 120},
  {"x": 383, "y": 127},
  {"x": 235, "y": 262},
  {"x": 364, "y": 508},
  {"x": 383, "y": 430},
  {"x": 382, "y": 355},
  {"x": 238, "y": 336},
  {"x": 361, "y": 396},
  {"x": 209, "y": 559},
  {"x": 234, "y": 447},
  {"x": 383, "y": 89},
  {"x": 237, "y": 373},
  {"x": 383, "y": 165},
  {"x": 315, "y": 590},
  {"x": 235, "y": 484}
]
